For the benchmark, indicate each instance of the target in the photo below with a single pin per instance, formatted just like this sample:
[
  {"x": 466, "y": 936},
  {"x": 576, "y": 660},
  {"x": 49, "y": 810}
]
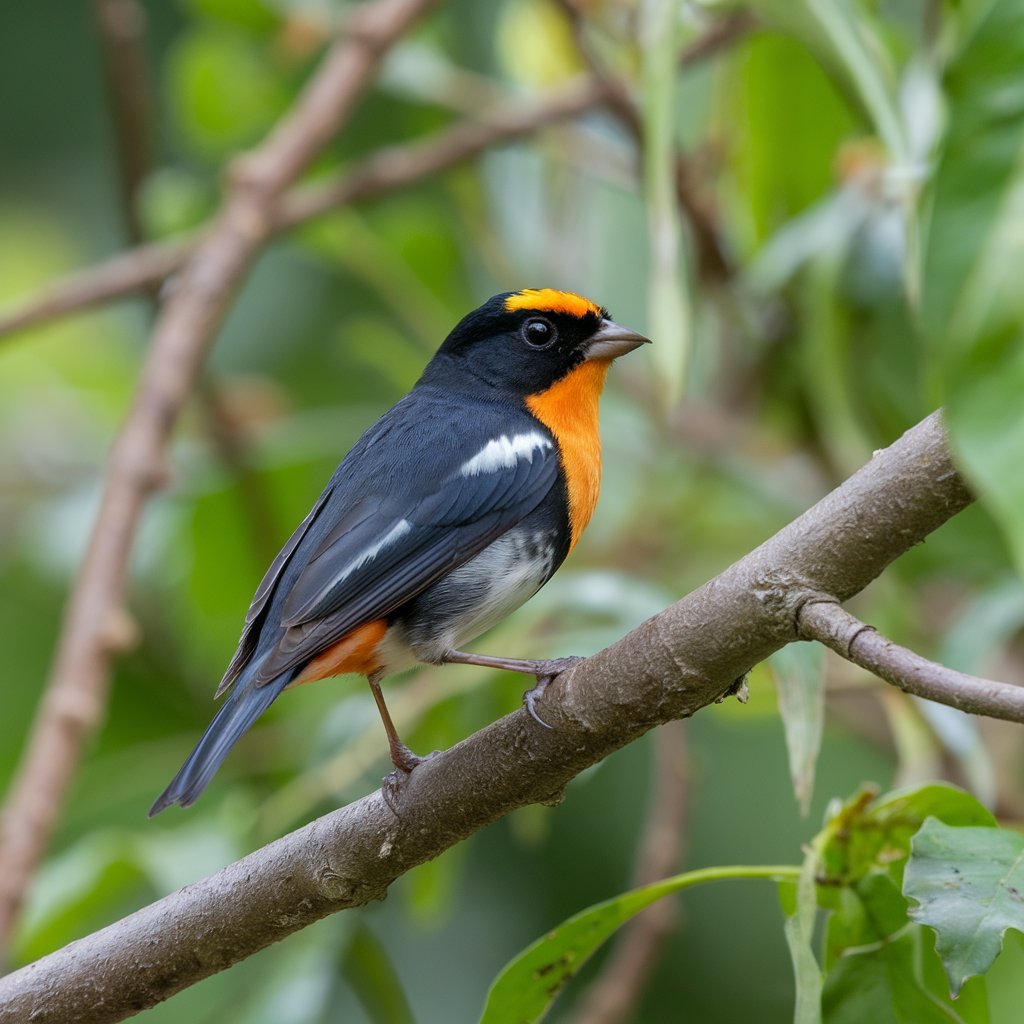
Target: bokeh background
[{"x": 856, "y": 166}]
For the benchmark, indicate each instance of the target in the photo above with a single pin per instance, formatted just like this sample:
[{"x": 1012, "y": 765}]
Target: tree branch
[
  {"x": 677, "y": 662},
  {"x": 184, "y": 331},
  {"x": 823, "y": 620},
  {"x": 713, "y": 263},
  {"x": 387, "y": 170}
]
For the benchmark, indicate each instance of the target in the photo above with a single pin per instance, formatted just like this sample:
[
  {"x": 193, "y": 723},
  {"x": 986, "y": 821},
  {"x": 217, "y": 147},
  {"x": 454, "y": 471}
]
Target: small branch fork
[
  {"x": 184, "y": 330},
  {"x": 671, "y": 666},
  {"x": 822, "y": 619}
]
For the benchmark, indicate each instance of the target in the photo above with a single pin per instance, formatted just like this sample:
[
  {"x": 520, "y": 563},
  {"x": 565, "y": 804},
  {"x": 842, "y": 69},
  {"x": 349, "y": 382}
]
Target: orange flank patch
[
  {"x": 354, "y": 652},
  {"x": 550, "y": 300},
  {"x": 569, "y": 410}
]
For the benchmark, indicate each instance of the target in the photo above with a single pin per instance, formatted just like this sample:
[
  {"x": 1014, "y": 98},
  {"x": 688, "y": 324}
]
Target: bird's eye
[{"x": 539, "y": 333}]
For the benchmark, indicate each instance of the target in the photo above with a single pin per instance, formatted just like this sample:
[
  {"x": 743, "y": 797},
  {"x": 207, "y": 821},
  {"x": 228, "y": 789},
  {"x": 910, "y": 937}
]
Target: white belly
[{"x": 469, "y": 600}]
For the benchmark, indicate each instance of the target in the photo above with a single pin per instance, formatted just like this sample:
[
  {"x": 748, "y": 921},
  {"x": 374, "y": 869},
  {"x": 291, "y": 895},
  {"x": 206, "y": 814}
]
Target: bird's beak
[{"x": 612, "y": 340}]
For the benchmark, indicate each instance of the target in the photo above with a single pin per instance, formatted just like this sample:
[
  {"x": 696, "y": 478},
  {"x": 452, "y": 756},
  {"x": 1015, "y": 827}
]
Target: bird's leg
[
  {"x": 401, "y": 756},
  {"x": 544, "y": 670}
]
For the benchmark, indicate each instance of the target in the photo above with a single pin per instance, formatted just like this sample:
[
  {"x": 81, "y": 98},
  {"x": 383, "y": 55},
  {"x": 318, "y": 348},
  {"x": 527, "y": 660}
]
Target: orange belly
[{"x": 354, "y": 652}]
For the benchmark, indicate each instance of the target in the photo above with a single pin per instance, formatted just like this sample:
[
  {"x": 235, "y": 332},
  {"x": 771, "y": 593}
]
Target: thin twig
[
  {"x": 823, "y": 620},
  {"x": 230, "y": 442},
  {"x": 389, "y": 169},
  {"x": 677, "y": 662},
  {"x": 184, "y": 331},
  {"x": 712, "y": 262},
  {"x": 120, "y": 26},
  {"x": 613, "y": 996}
]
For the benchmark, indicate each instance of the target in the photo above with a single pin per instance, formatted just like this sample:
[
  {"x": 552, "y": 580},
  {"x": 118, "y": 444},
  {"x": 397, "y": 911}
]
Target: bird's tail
[{"x": 241, "y": 708}]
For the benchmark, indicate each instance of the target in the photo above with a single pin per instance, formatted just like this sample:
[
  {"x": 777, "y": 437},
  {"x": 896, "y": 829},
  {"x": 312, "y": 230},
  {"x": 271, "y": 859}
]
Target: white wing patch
[
  {"x": 397, "y": 532},
  {"x": 504, "y": 452}
]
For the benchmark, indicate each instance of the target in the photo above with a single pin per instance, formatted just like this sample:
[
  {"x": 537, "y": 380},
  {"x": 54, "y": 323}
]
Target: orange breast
[
  {"x": 569, "y": 409},
  {"x": 354, "y": 652}
]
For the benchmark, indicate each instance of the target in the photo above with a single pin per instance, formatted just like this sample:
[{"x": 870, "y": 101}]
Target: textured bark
[
  {"x": 825, "y": 621},
  {"x": 677, "y": 662}
]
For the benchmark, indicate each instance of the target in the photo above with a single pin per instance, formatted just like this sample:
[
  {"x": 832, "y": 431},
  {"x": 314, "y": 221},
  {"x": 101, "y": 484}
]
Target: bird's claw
[
  {"x": 546, "y": 672},
  {"x": 533, "y": 695},
  {"x": 394, "y": 783}
]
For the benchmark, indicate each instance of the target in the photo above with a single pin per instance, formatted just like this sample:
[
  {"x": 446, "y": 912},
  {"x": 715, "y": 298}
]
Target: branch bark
[
  {"x": 823, "y": 620},
  {"x": 184, "y": 331},
  {"x": 677, "y": 662}
]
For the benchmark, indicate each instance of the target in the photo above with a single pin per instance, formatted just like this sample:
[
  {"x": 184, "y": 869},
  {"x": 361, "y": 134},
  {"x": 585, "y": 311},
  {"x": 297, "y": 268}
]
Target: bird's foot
[
  {"x": 393, "y": 784},
  {"x": 546, "y": 671}
]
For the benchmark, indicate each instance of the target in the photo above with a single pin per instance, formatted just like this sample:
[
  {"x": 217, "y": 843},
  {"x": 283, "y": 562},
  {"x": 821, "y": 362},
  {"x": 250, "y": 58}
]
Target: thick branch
[
  {"x": 823, "y": 620},
  {"x": 183, "y": 333},
  {"x": 669, "y": 667}
]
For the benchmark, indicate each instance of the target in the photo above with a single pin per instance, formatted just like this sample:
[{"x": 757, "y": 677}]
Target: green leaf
[
  {"x": 987, "y": 432},
  {"x": 800, "y": 905},
  {"x": 225, "y": 91},
  {"x": 868, "y": 912},
  {"x": 368, "y": 969},
  {"x": 799, "y": 674},
  {"x": 973, "y": 313},
  {"x": 866, "y": 844},
  {"x": 975, "y": 182},
  {"x": 668, "y": 302},
  {"x": 898, "y": 982},
  {"x": 969, "y": 886},
  {"x": 527, "y": 986},
  {"x": 847, "y": 46},
  {"x": 874, "y": 834},
  {"x": 782, "y": 91}
]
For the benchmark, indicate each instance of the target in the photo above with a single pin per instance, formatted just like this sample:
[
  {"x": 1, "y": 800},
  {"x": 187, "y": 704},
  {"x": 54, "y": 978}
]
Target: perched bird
[{"x": 452, "y": 510}]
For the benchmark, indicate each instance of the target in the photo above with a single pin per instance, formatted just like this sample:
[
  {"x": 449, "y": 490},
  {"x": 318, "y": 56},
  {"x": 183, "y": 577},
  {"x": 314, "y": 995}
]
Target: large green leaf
[
  {"x": 864, "y": 852},
  {"x": 898, "y": 982},
  {"x": 846, "y": 44},
  {"x": 669, "y": 312},
  {"x": 874, "y": 835},
  {"x": 973, "y": 312},
  {"x": 527, "y": 986},
  {"x": 878, "y": 966},
  {"x": 969, "y": 886}
]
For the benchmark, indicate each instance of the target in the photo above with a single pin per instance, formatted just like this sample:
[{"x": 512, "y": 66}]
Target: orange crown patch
[{"x": 550, "y": 300}]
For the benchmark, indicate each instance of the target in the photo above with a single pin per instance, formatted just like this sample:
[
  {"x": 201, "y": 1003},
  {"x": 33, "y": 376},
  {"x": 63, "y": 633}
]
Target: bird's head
[{"x": 524, "y": 342}]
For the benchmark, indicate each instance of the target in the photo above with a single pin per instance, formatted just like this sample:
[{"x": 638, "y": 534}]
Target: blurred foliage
[{"x": 862, "y": 163}]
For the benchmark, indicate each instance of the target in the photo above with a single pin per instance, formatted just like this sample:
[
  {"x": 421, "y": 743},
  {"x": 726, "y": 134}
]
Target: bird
[{"x": 447, "y": 514}]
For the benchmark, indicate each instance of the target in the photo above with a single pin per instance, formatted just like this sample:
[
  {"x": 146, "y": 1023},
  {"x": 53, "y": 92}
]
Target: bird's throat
[{"x": 569, "y": 409}]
